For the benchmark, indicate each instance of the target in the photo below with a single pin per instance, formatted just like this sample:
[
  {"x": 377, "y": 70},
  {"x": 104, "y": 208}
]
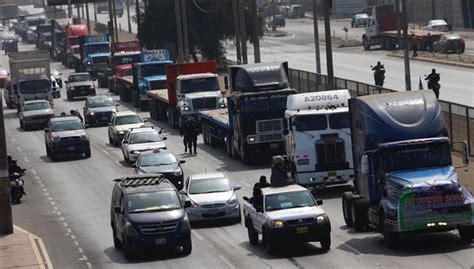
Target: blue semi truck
[
  {"x": 94, "y": 53},
  {"x": 405, "y": 180}
]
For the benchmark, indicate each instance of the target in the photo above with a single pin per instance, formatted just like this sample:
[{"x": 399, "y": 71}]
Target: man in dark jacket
[
  {"x": 279, "y": 175},
  {"x": 192, "y": 131},
  {"x": 184, "y": 134}
]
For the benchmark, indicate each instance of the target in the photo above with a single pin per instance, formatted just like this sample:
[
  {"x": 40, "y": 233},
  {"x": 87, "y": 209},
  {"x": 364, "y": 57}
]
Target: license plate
[
  {"x": 213, "y": 212},
  {"x": 332, "y": 174},
  {"x": 274, "y": 145},
  {"x": 83, "y": 92},
  {"x": 160, "y": 241},
  {"x": 103, "y": 118},
  {"x": 302, "y": 230},
  {"x": 71, "y": 148}
]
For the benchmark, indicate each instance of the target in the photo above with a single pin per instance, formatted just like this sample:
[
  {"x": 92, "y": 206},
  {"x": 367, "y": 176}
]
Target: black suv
[
  {"x": 98, "y": 109},
  {"x": 66, "y": 135},
  {"x": 148, "y": 211}
]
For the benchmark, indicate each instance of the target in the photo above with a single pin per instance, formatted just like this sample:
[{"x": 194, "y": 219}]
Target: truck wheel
[
  {"x": 244, "y": 157},
  {"x": 466, "y": 234},
  {"x": 88, "y": 153},
  {"x": 267, "y": 242},
  {"x": 187, "y": 246},
  {"x": 347, "y": 199},
  {"x": 228, "y": 143},
  {"x": 359, "y": 214},
  {"x": 253, "y": 235},
  {"x": 366, "y": 44},
  {"x": 204, "y": 133},
  {"x": 390, "y": 238},
  {"x": 326, "y": 243}
]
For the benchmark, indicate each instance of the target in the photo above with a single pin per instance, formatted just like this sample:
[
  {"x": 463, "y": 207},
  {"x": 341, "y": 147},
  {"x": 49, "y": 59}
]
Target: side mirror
[
  {"x": 187, "y": 204},
  {"x": 286, "y": 132},
  {"x": 134, "y": 165},
  {"x": 226, "y": 82},
  {"x": 319, "y": 202},
  {"x": 46, "y": 130},
  {"x": 124, "y": 141},
  {"x": 364, "y": 165},
  {"x": 118, "y": 210},
  {"x": 237, "y": 187},
  {"x": 182, "y": 192},
  {"x": 182, "y": 161},
  {"x": 66, "y": 82},
  {"x": 164, "y": 138},
  {"x": 86, "y": 126},
  {"x": 246, "y": 199}
]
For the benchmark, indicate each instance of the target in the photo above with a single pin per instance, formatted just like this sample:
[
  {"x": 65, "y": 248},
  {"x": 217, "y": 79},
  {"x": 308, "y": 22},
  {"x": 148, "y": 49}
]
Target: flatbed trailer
[
  {"x": 216, "y": 129},
  {"x": 124, "y": 87}
]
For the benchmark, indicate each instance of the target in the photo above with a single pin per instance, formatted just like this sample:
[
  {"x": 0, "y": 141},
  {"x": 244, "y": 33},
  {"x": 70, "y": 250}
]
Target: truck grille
[
  {"x": 266, "y": 126},
  {"x": 159, "y": 228},
  {"x": 205, "y": 103},
  {"x": 101, "y": 60},
  {"x": 71, "y": 138},
  {"x": 330, "y": 154},
  {"x": 270, "y": 137}
]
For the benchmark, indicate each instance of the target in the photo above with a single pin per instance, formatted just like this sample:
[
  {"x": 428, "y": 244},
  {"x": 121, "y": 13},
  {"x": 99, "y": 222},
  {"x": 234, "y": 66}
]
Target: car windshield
[
  {"x": 97, "y": 48},
  {"x": 130, "y": 119},
  {"x": 66, "y": 125},
  {"x": 36, "y": 106},
  {"x": 153, "y": 201},
  {"x": 102, "y": 102},
  {"x": 287, "y": 200},
  {"x": 78, "y": 78},
  {"x": 199, "y": 85},
  {"x": 145, "y": 137},
  {"x": 339, "y": 120},
  {"x": 210, "y": 185},
  {"x": 157, "y": 159}
]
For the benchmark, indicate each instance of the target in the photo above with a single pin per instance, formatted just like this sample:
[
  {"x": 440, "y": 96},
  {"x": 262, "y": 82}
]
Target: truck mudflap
[
  {"x": 313, "y": 178},
  {"x": 434, "y": 207}
]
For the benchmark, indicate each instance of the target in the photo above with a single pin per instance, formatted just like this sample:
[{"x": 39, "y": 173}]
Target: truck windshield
[
  {"x": 416, "y": 156},
  {"x": 199, "y": 85},
  {"x": 155, "y": 159},
  {"x": 35, "y": 86},
  {"x": 310, "y": 123},
  {"x": 339, "y": 120},
  {"x": 36, "y": 106},
  {"x": 73, "y": 41},
  {"x": 96, "y": 48},
  {"x": 262, "y": 103},
  {"x": 149, "y": 70},
  {"x": 288, "y": 200},
  {"x": 153, "y": 201}
]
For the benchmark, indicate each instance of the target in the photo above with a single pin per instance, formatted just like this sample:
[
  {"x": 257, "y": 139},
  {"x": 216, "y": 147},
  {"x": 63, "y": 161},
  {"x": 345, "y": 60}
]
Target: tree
[{"x": 209, "y": 23}]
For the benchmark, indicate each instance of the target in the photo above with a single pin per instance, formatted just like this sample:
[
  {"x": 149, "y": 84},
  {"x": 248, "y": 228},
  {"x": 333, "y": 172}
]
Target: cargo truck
[
  {"x": 382, "y": 30},
  {"x": 29, "y": 77},
  {"x": 318, "y": 138},
  {"x": 71, "y": 46},
  {"x": 58, "y": 37},
  {"x": 94, "y": 52},
  {"x": 252, "y": 125},
  {"x": 190, "y": 88},
  {"x": 405, "y": 179}
]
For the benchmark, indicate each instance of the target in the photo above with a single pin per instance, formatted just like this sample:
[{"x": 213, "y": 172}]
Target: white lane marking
[
  {"x": 245, "y": 183},
  {"x": 81, "y": 250},
  {"x": 84, "y": 257},
  {"x": 18, "y": 148},
  {"x": 55, "y": 208},
  {"x": 33, "y": 171},
  {"x": 89, "y": 265},
  {"x": 76, "y": 243},
  {"x": 65, "y": 224},
  {"x": 105, "y": 152},
  {"x": 13, "y": 140},
  {"x": 26, "y": 160},
  {"x": 69, "y": 231},
  {"x": 58, "y": 213},
  {"x": 61, "y": 218},
  {"x": 73, "y": 237},
  {"x": 197, "y": 235},
  {"x": 227, "y": 261}
]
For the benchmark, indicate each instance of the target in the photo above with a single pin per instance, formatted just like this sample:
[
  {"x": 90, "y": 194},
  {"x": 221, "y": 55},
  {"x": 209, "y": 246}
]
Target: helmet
[{"x": 277, "y": 160}]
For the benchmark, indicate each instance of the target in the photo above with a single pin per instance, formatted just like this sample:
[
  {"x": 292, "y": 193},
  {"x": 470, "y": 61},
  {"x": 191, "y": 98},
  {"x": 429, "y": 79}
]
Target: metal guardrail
[{"x": 459, "y": 118}]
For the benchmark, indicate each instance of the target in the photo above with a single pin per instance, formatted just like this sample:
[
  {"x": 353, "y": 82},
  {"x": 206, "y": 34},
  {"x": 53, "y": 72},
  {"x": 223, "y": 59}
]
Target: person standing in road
[
  {"x": 192, "y": 131},
  {"x": 414, "y": 45},
  {"x": 184, "y": 134},
  {"x": 429, "y": 43}
]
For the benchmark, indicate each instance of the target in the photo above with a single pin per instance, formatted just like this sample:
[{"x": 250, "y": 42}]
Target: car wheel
[
  {"x": 127, "y": 160},
  {"x": 53, "y": 156},
  {"x": 466, "y": 234},
  {"x": 88, "y": 153},
  {"x": 128, "y": 251},
  {"x": 238, "y": 220},
  {"x": 21, "y": 124},
  {"x": 253, "y": 235},
  {"x": 187, "y": 246},
  {"x": 267, "y": 242},
  {"x": 347, "y": 198},
  {"x": 111, "y": 141},
  {"x": 48, "y": 152},
  {"x": 326, "y": 243},
  {"x": 69, "y": 96},
  {"x": 117, "y": 243}
]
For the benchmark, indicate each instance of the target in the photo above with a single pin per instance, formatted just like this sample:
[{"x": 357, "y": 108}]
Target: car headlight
[
  {"x": 121, "y": 132},
  {"x": 222, "y": 105},
  {"x": 323, "y": 218},
  {"x": 276, "y": 224},
  {"x": 91, "y": 113},
  {"x": 186, "y": 108},
  {"x": 91, "y": 87},
  {"x": 177, "y": 173},
  {"x": 85, "y": 137},
  {"x": 55, "y": 138},
  {"x": 130, "y": 229},
  {"x": 251, "y": 138},
  {"x": 232, "y": 201},
  {"x": 135, "y": 152},
  {"x": 194, "y": 204}
]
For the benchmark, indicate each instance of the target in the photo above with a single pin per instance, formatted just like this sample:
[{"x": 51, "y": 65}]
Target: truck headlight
[
  {"x": 251, "y": 138},
  {"x": 222, "y": 105},
  {"x": 186, "y": 108},
  {"x": 121, "y": 132},
  {"x": 323, "y": 218},
  {"x": 91, "y": 113},
  {"x": 91, "y": 87},
  {"x": 130, "y": 229},
  {"x": 277, "y": 224}
]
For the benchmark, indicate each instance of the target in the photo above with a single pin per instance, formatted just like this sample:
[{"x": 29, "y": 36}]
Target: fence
[{"x": 459, "y": 118}]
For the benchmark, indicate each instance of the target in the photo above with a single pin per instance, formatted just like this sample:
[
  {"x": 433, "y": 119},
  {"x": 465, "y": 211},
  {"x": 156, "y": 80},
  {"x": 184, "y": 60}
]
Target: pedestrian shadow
[
  {"x": 288, "y": 251},
  {"x": 144, "y": 256},
  {"x": 331, "y": 192}
]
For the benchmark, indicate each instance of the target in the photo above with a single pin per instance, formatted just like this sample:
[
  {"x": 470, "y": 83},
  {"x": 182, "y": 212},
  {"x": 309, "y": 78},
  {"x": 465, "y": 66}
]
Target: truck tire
[
  {"x": 228, "y": 144},
  {"x": 366, "y": 44},
  {"x": 253, "y": 235},
  {"x": 187, "y": 246},
  {"x": 347, "y": 199},
  {"x": 326, "y": 243},
  {"x": 466, "y": 234},
  {"x": 359, "y": 214},
  {"x": 267, "y": 243},
  {"x": 204, "y": 133},
  {"x": 244, "y": 157}
]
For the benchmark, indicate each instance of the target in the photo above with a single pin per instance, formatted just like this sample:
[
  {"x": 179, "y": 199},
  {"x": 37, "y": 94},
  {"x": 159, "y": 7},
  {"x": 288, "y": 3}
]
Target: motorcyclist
[
  {"x": 433, "y": 82},
  {"x": 13, "y": 166},
  {"x": 379, "y": 74}
]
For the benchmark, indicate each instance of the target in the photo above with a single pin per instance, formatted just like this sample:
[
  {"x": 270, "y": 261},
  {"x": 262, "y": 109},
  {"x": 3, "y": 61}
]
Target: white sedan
[{"x": 141, "y": 139}]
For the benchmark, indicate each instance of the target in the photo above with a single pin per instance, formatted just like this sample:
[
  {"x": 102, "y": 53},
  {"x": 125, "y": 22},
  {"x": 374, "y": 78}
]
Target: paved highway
[{"x": 68, "y": 205}]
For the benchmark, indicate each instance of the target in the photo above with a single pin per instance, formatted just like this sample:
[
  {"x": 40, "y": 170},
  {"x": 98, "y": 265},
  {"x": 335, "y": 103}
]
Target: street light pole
[
  {"x": 316, "y": 37},
  {"x": 115, "y": 21},
  {"x": 179, "y": 29},
  {"x": 69, "y": 8},
  {"x": 87, "y": 14},
  {"x": 6, "y": 221},
  {"x": 137, "y": 11},
  {"x": 235, "y": 14},
  {"x": 243, "y": 32},
  {"x": 185, "y": 31},
  {"x": 406, "y": 54},
  {"x": 255, "y": 37},
  {"x": 111, "y": 23},
  {"x": 128, "y": 17},
  {"x": 327, "y": 30}
]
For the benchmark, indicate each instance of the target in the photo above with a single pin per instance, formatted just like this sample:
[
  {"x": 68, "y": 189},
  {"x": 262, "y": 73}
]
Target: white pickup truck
[{"x": 285, "y": 214}]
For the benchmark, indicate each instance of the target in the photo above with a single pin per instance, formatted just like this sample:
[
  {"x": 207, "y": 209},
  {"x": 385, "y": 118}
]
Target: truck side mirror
[
  {"x": 286, "y": 132},
  {"x": 465, "y": 153},
  {"x": 364, "y": 165},
  {"x": 226, "y": 82},
  {"x": 118, "y": 210}
]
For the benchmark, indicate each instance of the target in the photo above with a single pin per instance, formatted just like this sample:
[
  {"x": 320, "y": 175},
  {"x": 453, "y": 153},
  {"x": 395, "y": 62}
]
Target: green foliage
[
  {"x": 209, "y": 22},
  {"x": 100, "y": 28}
]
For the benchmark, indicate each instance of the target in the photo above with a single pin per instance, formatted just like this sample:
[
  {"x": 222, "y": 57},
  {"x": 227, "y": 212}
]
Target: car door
[
  {"x": 111, "y": 124},
  {"x": 121, "y": 218},
  {"x": 124, "y": 145},
  {"x": 86, "y": 107}
]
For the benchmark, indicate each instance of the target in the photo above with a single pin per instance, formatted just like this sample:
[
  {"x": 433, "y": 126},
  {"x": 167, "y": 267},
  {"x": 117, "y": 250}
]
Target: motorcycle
[
  {"x": 17, "y": 186},
  {"x": 433, "y": 84},
  {"x": 379, "y": 76}
]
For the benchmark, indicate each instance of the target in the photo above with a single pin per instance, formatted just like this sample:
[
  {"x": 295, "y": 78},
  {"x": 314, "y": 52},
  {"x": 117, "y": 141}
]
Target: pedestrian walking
[
  {"x": 414, "y": 46},
  {"x": 429, "y": 43},
  {"x": 192, "y": 131},
  {"x": 184, "y": 134}
]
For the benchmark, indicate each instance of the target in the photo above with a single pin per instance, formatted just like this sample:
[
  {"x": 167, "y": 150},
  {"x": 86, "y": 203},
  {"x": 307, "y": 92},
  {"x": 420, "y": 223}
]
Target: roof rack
[{"x": 137, "y": 181}]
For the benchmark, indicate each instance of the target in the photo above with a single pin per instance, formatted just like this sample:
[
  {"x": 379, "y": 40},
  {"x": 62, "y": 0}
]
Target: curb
[
  {"x": 434, "y": 61},
  {"x": 39, "y": 249}
]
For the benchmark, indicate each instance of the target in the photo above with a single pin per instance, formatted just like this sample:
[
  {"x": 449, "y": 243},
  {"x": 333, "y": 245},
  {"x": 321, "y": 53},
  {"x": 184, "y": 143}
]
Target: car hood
[
  {"x": 157, "y": 216},
  {"x": 69, "y": 133},
  {"x": 211, "y": 198},
  {"x": 126, "y": 127},
  {"x": 295, "y": 213},
  {"x": 37, "y": 112},
  {"x": 103, "y": 109},
  {"x": 159, "y": 169},
  {"x": 146, "y": 146},
  {"x": 432, "y": 176},
  {"x": 81, "y": 83}
]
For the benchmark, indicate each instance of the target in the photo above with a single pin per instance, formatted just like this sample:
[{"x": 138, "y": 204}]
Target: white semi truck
[{"x": 318, "y": 138}]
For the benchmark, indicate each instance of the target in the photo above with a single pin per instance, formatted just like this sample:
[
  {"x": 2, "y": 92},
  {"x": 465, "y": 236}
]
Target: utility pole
[
  {"x": 137, "y": 11},
  {"x": 406, "y": 54},
  {"x": 69, "y": 9},
  {"x": 327, "y": 30},
  {"x": 6, "y": 221},
  {"x": 235, "y": 14},
  {"x": 95, "y": 13},
  {"x": 110, "y": 24},
  {"x": 243, "y": 32},
  {"x": 128, "y": 17},
  {"x": 397, "y": 21},
  {"x": 274, "y": 28},
  {"x": 115, "y": 21},
  {"x": 78, "y": 13},
  {"x": 185, "y": 31},
  {"x": 316, "y": 36},
  {"x": 179, "y": 31},
  {"x": 255, "y": 37},
  {"x": 87, "y": 14}
]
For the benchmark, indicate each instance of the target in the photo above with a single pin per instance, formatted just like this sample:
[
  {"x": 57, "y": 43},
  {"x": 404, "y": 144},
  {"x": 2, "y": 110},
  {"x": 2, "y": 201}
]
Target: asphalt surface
[{"x": 68, "y": 205}]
